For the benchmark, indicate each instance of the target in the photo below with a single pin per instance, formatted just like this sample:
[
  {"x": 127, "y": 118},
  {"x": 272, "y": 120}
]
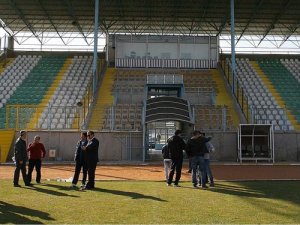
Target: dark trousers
[
  {"x": 21, "y": 167},
  {"x": 176, "y": 166},
  {"x": 37, "y": 164},
  {"x": 78, "y": 167},
  {"x": 91, "y": 169}
]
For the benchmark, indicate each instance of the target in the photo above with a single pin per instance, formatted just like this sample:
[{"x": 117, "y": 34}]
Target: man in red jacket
[{"x": 36, "y": 152}]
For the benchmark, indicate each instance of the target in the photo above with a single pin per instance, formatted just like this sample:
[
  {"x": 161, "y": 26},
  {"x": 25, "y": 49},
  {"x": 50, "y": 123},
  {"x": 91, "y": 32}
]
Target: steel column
[{"x": 96, "y": 25}]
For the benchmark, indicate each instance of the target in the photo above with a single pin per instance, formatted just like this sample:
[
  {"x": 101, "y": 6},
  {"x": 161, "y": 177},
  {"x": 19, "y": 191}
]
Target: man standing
[
  {"x": 20, "y": 155},
  {"x": 80, "y": 159},
  {"x": 91, "y": 158},
  {"x": 196, "y": 149},
  {"x": 176, "y": 146},
  {"x": 36, "y": 152}
]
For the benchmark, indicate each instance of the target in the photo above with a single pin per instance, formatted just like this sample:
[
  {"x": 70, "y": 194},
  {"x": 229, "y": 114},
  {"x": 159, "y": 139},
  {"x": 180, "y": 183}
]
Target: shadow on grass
[
  {"x": 133, "y": 195},
  {"x": 53, "y": 192},
  {"x": 280, "y": 190},
  {"x": 17, "y": 214}
]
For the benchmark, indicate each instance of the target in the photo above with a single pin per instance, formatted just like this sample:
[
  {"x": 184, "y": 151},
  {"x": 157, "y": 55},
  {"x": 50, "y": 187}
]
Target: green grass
[{"x": 152, "y": 202}]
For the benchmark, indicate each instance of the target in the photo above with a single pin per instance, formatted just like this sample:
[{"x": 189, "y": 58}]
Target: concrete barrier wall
[{"x": 124, "y": 146}]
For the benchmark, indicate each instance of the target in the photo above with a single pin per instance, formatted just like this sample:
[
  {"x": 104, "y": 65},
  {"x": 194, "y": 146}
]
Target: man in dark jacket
[
  {"x": 196, "y": 149},
  {"x": 91, "y": 151},
  {"x": 80, "y": 159},
  {"x": 20, "y": 158},
  {"x": 176, "y": 146}
]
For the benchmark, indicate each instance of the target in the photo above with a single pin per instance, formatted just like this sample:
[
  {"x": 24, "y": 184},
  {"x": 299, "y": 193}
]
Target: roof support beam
[
  {"x": 292, "y": 31},
  {"x": 254, "y": 12},
  {"x": 21, "y": 15},
  {"x": 49, "y": 18},
  {"x": 286, "y": 4},
  {"x": 74, "y": 19},
  {"x": 8, "y": 31}
]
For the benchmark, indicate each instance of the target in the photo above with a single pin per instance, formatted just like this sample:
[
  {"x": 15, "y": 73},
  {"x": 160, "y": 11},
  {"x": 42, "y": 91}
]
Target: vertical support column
[
  {"x": 232, "y": 45},
  {"x": 95, "y": 60},
  {"x": 10, "y": 43},
  {"x": 209, "y": 52},
  {"x": 107, "y": 52}
]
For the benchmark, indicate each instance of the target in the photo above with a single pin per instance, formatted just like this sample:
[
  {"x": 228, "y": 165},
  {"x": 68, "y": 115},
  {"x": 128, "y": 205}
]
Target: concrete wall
[
  {"x": 115, "y": 146},
  {"x": 124, "y": 146}
]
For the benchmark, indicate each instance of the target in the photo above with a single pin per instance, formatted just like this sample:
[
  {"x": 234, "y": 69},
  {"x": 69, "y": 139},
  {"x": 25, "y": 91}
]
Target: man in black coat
[
  {"x": 176, "y": 146},
  {"x": 91, "y": 151},
  {"x": 80, "y": 159},
  {"x": 20, "y": 158}
]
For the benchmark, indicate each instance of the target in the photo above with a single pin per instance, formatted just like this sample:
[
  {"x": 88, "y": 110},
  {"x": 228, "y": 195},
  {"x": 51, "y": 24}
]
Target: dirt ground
[{"x": 154, "y": 172}]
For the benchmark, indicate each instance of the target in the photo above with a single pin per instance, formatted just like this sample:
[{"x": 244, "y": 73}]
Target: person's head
[
  {"x": 196, "y": 133},
  {"x": 83, "y": 135},
  {"x": 23, "y": 134},
  {"x": 178, "y": 132},
  {"x": 90, "y": 134},
  {"x": 36, "y": 139}
]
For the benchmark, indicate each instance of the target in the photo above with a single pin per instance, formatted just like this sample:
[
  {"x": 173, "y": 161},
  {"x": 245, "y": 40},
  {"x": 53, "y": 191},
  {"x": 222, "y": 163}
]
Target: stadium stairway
[
  {"x": 40, "y": 107},
  {"x": 6, "y": 139},
  {"x": 274, "y": 92},
  {"x": 104, "y": 99},
  {"x": 4, "y": 64},
  {"x": 223, "y": 97}
]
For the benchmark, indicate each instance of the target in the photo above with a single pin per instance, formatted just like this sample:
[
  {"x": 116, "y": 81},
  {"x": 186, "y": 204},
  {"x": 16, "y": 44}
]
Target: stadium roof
[{"x": 186, "y": 17}]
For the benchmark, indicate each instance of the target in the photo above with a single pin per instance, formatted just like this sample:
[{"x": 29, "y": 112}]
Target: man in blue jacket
[
  {"x": 80, "y": 159},
  {"x": 91, "y": 151},
  {"x": 20, "y": 155}
]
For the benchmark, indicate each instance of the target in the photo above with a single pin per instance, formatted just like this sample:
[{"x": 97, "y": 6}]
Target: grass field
[{"x": 152, "y": 202}]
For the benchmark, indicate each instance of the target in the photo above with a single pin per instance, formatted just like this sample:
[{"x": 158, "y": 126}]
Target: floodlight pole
[
  {"x": 233, "y": 66},
  {"x": 96, "y": 25}
]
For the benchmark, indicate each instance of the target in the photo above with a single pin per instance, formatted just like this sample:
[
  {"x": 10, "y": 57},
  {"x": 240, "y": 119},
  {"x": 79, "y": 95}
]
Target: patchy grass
[{"x": 152, "y": 202}]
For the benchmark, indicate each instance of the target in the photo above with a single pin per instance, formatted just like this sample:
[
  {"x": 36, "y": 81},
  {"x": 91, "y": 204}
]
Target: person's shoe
[
  {"x": 204, "y": 187},
  {"x": 168, "y": 184},
  {"x": 38, "y": 182},
  {"x": 17, "y": 185},
  {"x": 195, "y": 185},
  {"x": 82, "y": 185},
  {"x": 176, "y": 185},
  {"x": 28, "y": 185},
  {"x": 212, "y": 184}
]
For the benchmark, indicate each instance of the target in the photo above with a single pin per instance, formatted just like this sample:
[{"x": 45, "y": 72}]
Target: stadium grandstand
[{"x": 135, "y": 71}]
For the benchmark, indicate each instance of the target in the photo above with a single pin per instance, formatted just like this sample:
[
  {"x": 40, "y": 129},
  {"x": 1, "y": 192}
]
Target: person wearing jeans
[
  {"x": 196, "y": 149},
  {"x": 167, "y": 160}
]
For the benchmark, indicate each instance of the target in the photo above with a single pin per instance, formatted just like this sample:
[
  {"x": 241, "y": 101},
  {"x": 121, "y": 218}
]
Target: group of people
[
  {"x": 35, "y": 152},
  {"x": 86, "y": 158},
  {"x": 197, "y": 149}
]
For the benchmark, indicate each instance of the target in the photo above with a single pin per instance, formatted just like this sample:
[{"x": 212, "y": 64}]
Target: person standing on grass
[
  {"x": 196, "y": 149},
  {"x": 36, "y": 152},
  {"x": 176, "y": 146},
  {"x": 80, "y": 159},
  {"x": 210, "y": 148},
  {"x": 167, "y": 160},
  {"x": 20, "y": 158},
  {"x": 91, "y": 150}
]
